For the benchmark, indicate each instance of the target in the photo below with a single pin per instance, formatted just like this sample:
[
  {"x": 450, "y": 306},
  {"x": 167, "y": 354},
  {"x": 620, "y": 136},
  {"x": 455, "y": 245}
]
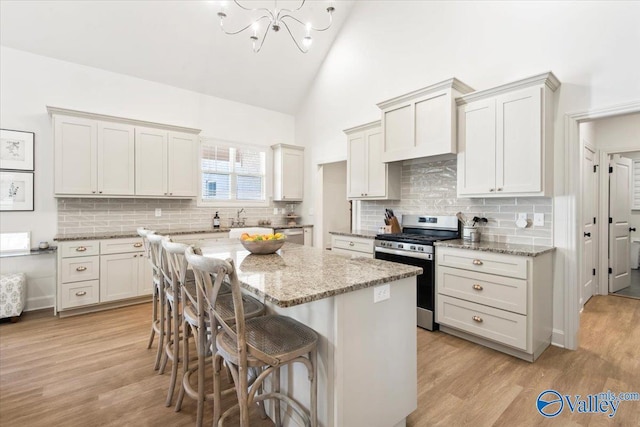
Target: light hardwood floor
[{"x": 95, "y": 370}]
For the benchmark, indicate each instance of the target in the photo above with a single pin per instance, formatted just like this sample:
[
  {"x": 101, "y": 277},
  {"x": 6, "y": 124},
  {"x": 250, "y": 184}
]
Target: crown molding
[
  {"x": 363, "y": 127},
  {"x": 451, "y": 83},
  {"x": 549, "y": 79}
]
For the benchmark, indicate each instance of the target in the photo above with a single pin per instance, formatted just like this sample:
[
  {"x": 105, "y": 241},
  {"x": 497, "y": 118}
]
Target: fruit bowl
[{"x": 262, "y": 247}]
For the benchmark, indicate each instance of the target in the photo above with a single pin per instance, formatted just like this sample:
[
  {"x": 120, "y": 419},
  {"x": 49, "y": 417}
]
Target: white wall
[
  {"x": 30, "y": 82},
  {"x": 387, "y": 48}
]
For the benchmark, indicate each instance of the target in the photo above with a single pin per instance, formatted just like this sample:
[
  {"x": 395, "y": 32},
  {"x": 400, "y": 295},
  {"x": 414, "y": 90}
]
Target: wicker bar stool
[
  {"x": 263, "y": 344},
  {"x": 155, "y": 327},
  {"x": 159, "y": 307},
  {"x": 196, "y": 318}
]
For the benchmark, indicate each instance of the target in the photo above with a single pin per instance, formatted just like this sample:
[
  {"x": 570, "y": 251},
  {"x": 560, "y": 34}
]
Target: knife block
[{"x": 395, "y": 226}]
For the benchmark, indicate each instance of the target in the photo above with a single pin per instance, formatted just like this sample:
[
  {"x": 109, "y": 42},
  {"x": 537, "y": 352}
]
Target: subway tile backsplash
[
  {"x": 430, "y": 188},
  {"x": 80, "y": 215}
]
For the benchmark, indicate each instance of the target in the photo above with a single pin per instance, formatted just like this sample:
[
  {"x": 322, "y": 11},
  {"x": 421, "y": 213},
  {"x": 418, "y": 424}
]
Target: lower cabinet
[
  {"x": 308, "y": 236},
  {"x": 123, "y": 275},
  {"x": 501, "y": 301},
  {"x": 351, "y": 245}
]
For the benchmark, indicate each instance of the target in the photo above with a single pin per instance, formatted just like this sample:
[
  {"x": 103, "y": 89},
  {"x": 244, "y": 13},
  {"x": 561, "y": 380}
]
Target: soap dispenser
[{"x": 216, "y": 221}]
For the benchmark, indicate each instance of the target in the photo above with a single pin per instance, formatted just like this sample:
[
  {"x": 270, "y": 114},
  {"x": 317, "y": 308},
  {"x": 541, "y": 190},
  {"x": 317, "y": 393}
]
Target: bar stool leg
[
  {"x": 217, "y": 392},
  {"x": 169, "y": 333},
  {"x": 176, "y": 355},
  {"x": 313, "y": 378},
  {"x": 154, "y": 316},
  {"x": 161, "y": 333},
  {"x": 276, "y": 403},
  {"x": 185, "y": 362}
]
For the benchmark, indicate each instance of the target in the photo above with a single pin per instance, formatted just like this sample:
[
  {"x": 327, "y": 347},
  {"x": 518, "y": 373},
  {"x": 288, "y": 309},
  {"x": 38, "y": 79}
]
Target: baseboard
[
  {"x": 38, "y": 303},
  {"x": 557, "y": 338}
]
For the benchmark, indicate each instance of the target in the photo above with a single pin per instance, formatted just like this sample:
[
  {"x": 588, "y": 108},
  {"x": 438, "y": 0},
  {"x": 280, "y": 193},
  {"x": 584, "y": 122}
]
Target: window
[{"x": 232, "y": 173}]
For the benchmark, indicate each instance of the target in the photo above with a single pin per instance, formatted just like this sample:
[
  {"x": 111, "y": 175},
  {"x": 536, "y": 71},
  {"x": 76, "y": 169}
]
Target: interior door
[
  {"x": 619, "y": 212},
  {"x": 589, "y": 228}
]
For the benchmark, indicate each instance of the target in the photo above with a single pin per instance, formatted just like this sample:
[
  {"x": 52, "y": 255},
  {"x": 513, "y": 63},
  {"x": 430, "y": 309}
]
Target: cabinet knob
[
  {"x": 137, "y": 245},
  {"x": 477, "y": 287},
  {"x": 491, "y": 190},
  {"x": 81, "y": 268},
  {"x": 81, "y": 249},
  {"x": 477, "y": 262},
  {"x": 81, "y": 293},
  {"x": 351, "y": 243},
  {"x": 100, "y": 192},
  {"x": 499, "y": 188},
  {"x": 135, "y": 256},
  {"x": 93, "y": 192},
  {"x": 477, "y": 319},
  {"x": 171, "y": 194}
]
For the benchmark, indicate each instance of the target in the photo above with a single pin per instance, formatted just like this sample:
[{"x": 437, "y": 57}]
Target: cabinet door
[
  {"x": 119, "y": 276},
  {"x": 292, "y": 174},
  {"x": 434, "y": 127},
  {"x": 399, "y": 136},
  {"x": 145, "y": 276},
  {"x": 519, "y": 141},
  {"x": 376, "y": 169},
  {"x": 357, "y": 165},
  {"x": 116, "y": 159},
  {"x": 182, "y": 160},
  {"x": 477, "y": 148},
  {"x": 75, "y": 153},
  {"x": 151, "y": 162},
  {"x": 308, "y": 236}
]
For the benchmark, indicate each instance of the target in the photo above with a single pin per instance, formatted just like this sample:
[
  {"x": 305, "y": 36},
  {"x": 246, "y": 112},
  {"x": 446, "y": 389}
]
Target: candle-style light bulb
[{"x": 256, "y": 27}]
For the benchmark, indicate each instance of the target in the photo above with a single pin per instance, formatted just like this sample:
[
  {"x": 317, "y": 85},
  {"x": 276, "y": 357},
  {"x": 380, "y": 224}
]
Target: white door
[
  {"x": 589, "y": 228},
  {"x": 376, "y": 177},
  {"x": 182, "y": 158},
  {"x": 116, "y": 159},
  {"x": 75, "y": 155},
  {"x": 357, "y": 164},
  {"x": 619, "y": 211},
  {"x": 119, "y": 276},
  {"x": 477, "y": 148},
  {"x": 151, "y": 162}
]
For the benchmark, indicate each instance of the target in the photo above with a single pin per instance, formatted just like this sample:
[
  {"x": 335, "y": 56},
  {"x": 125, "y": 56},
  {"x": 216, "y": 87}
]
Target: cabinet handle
[
  {"x": 135, "y": 256},
  {"x": 491, "y": 190},
  {"x": 477, "y": 262},
  {"x": 477, "y": 319},
  {"x": 81, "y": 249},
  {"x": 81, "y": 293},
  {"x": 100, "y": 192},
  {"x": 587, "y": 234},
  {"x": 137, "y": 245},
  {"x": 351, "y": 243},
  {"x": 499, "y": 188},
  {"x": 81, "y": 268},
  {"x": 171, "y": 194},
  {"x": 477, "y": 287}
]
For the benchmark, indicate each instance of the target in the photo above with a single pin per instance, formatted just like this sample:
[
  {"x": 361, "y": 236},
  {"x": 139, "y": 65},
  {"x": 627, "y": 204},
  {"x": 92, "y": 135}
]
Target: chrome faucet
[
  {"x": 238, "y": 222},
  {"x": 238, "y": 214}
]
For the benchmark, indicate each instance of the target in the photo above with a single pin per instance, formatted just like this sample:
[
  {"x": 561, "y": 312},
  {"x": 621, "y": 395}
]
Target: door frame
[
  {"x": 568, "y": 216},
  {"x": 596, "y": 239},
  {"x": 318, "y": 179}
]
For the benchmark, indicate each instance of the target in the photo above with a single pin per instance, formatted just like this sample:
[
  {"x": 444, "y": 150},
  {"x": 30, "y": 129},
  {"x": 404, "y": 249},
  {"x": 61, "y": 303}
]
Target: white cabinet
[
  {"x": 421, "y": 123},
  {"x": 368, "y": 177},
  {"x": 498, "y": 300},
  {"x": 308, "y": 236},
  {"x": 288, "y": 172},
  {"x": 352, "y": 245},
  {"x": 505, "y": 140},
  {"x": 104, "y": 156},
  {"x": 93, "y": 272},
  {"x": 165, "y": 163}
]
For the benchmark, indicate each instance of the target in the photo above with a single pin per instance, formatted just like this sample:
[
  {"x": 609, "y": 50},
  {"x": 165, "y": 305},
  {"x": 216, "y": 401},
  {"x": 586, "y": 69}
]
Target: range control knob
[
  {"x": 400, "y": 246},
  {"x": 413, "y": 248},
  {"x": 421, "y": 249}
]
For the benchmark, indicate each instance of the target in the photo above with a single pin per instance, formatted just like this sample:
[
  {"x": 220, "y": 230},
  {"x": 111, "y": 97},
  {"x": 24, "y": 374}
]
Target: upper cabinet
[
  {"x": 421, "y": 123},
  {"x": 102, "y": 156},
  {"x": 368, "y": 177},
  {"x": 288, "y": 172},
  {"x": 505, "y": 139}
]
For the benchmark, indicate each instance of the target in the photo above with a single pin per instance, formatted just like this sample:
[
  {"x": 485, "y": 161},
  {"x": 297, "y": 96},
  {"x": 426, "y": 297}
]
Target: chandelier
[{"x": 276, "y": 19}]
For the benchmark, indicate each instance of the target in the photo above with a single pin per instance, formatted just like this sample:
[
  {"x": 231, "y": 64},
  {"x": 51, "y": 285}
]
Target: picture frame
[
  {"x": 17, "y": 150},
  {"x": 16, "y": 191}
]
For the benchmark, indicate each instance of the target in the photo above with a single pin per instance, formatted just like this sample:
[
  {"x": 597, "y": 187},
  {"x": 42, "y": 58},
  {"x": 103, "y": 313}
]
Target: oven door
[{"x": 425, "y": 283}]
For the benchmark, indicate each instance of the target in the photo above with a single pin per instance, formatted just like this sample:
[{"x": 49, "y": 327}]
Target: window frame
[{"x": 268, "y": 174}]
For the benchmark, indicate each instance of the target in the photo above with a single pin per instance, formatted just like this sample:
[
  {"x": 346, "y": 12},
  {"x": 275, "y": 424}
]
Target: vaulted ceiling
[{"x": 178, "y": 43}]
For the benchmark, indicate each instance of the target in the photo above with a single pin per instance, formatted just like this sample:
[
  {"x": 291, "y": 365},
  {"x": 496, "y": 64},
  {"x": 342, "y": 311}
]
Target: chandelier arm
[
  {"x": 261, "y": 9},
  {"x": 304, "y": 25},
  {"x": 294, "y": 10},
  {"x": 264, "y": 37},
  {"x": 293, "y": 38},
  {"x": 233, "y": 33}
]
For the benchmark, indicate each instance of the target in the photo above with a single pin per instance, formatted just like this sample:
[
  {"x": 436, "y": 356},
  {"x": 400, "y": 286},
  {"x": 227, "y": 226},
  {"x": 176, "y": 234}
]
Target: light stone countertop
[
  {"x": 497, "y": 247},
  {"x": 298, "y": 274},
  {"x": 124, "y": 234},
  {"x": 356, "y": 233}
]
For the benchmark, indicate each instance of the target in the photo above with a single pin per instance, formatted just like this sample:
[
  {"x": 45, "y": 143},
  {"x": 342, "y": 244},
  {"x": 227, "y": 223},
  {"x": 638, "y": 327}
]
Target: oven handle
[{"x": 407, "y": 254}]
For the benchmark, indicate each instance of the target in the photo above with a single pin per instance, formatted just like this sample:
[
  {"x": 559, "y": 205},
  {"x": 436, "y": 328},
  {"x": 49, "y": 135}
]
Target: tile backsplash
[
  {"x": 80, "y": 215},
  {"x": 430, "y": 188}
]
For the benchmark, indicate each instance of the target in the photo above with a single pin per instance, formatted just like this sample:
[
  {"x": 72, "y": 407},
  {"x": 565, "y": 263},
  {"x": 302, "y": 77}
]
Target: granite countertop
[
  {"x": 497, "y": 247},
  {"x": 124, "y": 234},
  {"x": 356, "y": 233},
  {"x": 298, "y": 274}
]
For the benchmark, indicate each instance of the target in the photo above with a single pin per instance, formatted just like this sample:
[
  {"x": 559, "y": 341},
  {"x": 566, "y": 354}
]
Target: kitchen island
[{"x": 367, "y": 350}]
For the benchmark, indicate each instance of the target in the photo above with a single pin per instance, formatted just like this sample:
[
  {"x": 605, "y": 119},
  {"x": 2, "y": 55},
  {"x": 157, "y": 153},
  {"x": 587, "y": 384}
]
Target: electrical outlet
[
  {"x": 538, "y": 219},
  {"x": 522, "y": 215},
  {"x": 381, "y": 293},
  {"x": 158, "y": 212},
  {"x": 275, "y": 211}
]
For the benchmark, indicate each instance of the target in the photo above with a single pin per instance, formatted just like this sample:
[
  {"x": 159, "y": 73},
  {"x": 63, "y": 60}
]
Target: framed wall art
[
  {"x": 16, "y": 150},
  {"x": 16, "y": 191}
]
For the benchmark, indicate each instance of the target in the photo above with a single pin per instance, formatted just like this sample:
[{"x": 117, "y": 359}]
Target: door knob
[
  {"x": 587, "y": 234},
  {"x": 632, "y": 229}
]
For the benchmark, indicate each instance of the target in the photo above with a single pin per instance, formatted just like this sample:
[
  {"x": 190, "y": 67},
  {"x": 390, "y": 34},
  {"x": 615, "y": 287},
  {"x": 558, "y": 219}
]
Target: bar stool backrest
[
  {"x": 156, "y": 255},
  {"x": 143, "y": 232}
]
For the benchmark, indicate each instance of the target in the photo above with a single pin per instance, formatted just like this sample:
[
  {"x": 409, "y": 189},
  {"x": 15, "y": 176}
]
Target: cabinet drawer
[
  {"x": 497, "y": 325},
  {"x": 352, "y": 244},
  {"x": 79, "y": 269},
  {"x": 120, "y": 246},
  {"x": 79, "y": 294},
  {"x": 501, "y": 292},
  {"x": 79, "y": 248},
  {"x": 484, "y": 262}
]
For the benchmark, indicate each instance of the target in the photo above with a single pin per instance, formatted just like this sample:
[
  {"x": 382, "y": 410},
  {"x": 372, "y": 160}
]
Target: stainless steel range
[{"x": 414, "y": 246}]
